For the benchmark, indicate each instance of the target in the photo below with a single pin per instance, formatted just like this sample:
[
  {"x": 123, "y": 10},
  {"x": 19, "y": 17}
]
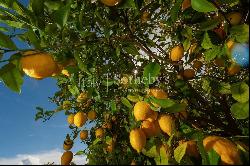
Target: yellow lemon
[
  {"x": 71, "y": 119},
  {"x": 153, "y": 116},
  {"x": 133, "y": 162},
  {"x": 65, "y": 72},
  {"x": 110, "y": 2},
  {"x": 225, "y": 148},
  {"x": 37, "y": 64},
  {"x": 99, "y": 133},
  {"x": 167, "y": 124},
  {"x": 142, "y": 111},
  {"x": 84, "y": 134},
  {"x": 67, "y": 144},
  {"x": 177, "y": 53},
  {"x": 219, "y": 62},
  {"x": 188, "y": 73},
  {"x": 157, "y": 93},
  {"x": 66, "y": 158},
  {"x": 230, "y": 44},
  {"x": 234, "y": 18},
  {"x": 80, "y": 119},
  {"x": 137, "y": 139},
  {"x": 150, "y": 129},
  {"x": 92, "y": 115},
  {"x": 233, "y": 69}
]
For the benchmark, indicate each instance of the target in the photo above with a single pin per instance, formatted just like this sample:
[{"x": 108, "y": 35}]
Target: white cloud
[{"x": 40, "y": 158}]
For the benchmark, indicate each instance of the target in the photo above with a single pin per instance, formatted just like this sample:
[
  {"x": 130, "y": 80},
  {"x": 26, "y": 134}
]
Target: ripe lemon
[
  {"x": 188, "y": 73},
  {"x": 219, "y": 62},
  {"x": 157, "y": 93},
  {"x": 197, "y": 64},
  {"x": 82, "y": 97},
  {"x": 142, "y": 111},
  {"x": 225, "y": 148},
  {"x": 150, "y": 129},
  {"x": 167, "y": 124},
  {"x": 177, "y": 53},
  {"x": 67, "y": 144},
  {"x": 66, "y": 105},
  {"x": 234, "y": 18},
  {"x": 80, "y": 119},
  {"x": 137, "y": 139},
  {"x": 230, "y": 44},
  {"x": 233, "y": 69},
  {"x": 133, "y": 162},
  {"x": 185, "y": 4},
  {"x": 66, "y": 158},
  {"x": 71, "y": 119},
  {"x": 65, "y": 72},
  {"x": 153, "y": 116},
  {"x": 92, "y": 115},
  {"x": 84, "y": 134},
  {"x": 110, "y": 2},
  {"x": 38, "y": 65},
  {"x": 192, "y": 149},
  {"x": 99, "y": 133}
]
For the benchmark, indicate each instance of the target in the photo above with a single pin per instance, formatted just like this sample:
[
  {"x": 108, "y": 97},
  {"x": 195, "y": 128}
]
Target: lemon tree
[{"x": 158, "y": 81}]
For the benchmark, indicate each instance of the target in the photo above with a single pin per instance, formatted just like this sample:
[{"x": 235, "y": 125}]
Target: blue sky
[{"x": 20, "y": 133}]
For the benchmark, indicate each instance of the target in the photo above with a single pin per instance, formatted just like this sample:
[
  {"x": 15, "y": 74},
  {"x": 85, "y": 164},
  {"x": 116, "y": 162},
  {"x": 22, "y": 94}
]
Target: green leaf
[
  {"x": 150, "y": 72},
  {"x": 81, "y": 152},
  {"x": 14, "y": 24},
  {"x": 214, "y": 52},
  {"x": 80, "y": 62},
  {"x": 206, "y": 42},
  {"x": 6, "y": 42},
  {"x": 203, "y": 6},
  {"x": 37, "y": 6},
  {"x": 209, "y": 24},
  {"x": 198, "y": 136},
  {"x": 133, "y": 98},
  {"x": 240, "y": 92},
  {"x": 164, "y": 103},
  {"x": 127, "y": 4},
  {"x": 240, "y": 33},
  {"x": 206, "y": 85},
  {"x": 150, "y": 151},
  {"x": 73, "y": 90},
  {"x": 213, "y": 157},
  {"x": 163, "y": 158},
  {"x": 175, "y": 10},
  {"x": 53, "y": 5},
  {"x": 179, "y": 152},
  {"x": 126, "y": 102},
  {"x": 224, "y": 88},
  {"x": 131, "y": 49},
  {"x": 62, "y": 14},
  {"x": 176, "y": 108},
  {"x": 11, "y": 77},
  {"x": 186, "y": 44},
  {"x": 240, "y": 110},
  {"x": 113, "y": 106}
]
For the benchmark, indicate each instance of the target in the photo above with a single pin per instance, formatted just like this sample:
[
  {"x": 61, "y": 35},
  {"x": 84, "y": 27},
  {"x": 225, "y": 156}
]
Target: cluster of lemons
[
  {"x": 39, "y": 65},
  {"x": 153, "y": 124},
  {"x": 78, "y": 119}
]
